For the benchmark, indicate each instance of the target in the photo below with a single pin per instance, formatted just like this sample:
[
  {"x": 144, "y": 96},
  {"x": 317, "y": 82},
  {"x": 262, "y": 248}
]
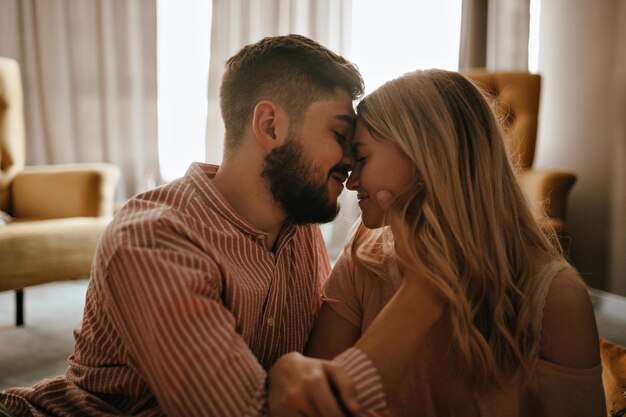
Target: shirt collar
[{"x": 201, "y": 175}]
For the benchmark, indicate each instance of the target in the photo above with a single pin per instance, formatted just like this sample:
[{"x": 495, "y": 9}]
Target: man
[{"x": 199, "y": 286}]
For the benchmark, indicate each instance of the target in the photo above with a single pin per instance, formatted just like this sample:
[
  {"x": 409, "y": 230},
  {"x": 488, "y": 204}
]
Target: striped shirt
[{"x": 187, "y": 310}]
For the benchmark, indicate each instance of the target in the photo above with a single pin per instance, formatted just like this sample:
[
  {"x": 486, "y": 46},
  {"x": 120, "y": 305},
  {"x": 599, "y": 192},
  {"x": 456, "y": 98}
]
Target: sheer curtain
[
  {"x": 89, "y": 74},
  {"x": 494, "y": 35},
  {"x": 183, "y": 48}
]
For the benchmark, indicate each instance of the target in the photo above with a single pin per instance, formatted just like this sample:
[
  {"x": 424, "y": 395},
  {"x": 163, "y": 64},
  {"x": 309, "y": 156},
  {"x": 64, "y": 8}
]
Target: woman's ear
[{"x": 267, "y": 121}]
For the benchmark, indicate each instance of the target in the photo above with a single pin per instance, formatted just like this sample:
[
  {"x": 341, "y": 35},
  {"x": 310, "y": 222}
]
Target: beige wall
[{"x": 582, "y": 127}]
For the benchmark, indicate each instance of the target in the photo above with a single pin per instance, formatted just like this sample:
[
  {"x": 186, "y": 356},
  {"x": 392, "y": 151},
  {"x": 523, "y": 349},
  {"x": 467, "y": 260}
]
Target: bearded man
[{"x": 200, "y": 285}]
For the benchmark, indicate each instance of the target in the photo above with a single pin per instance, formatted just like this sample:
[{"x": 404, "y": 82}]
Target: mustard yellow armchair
[
  {"x": 517, "y": 101},
  {"x": 54, "y": 215}
]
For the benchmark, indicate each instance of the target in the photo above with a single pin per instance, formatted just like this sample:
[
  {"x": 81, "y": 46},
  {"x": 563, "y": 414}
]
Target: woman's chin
[{"x": 371, "y": 223}]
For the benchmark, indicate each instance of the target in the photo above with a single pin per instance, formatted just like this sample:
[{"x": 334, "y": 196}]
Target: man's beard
[{"x": 289, "y": 173}]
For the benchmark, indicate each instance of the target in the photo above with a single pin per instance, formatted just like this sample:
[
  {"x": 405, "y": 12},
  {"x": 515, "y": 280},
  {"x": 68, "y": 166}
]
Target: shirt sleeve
[
  {"x": 164, "y": 303},
  {"x": 340, "y": 291},
  {"x": 370, "y": 393}
]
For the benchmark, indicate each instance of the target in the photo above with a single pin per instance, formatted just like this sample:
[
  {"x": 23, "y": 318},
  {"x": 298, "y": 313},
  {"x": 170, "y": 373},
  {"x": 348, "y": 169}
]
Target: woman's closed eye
[{"x": 359, "y": 152}]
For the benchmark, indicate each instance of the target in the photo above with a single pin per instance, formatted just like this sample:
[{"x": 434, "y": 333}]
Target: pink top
[
  {"x": 186, "y": 311},
  {"x": 430, "y": 388}
]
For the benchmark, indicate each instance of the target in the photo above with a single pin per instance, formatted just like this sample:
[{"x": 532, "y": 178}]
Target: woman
[{"x": 518, "y": 335}]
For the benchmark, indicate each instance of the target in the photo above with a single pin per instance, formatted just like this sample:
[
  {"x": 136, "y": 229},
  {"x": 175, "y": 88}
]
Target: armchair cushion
[
  {"x": 60, "y": 191},
  {"x": 59, "y": 215},
  {"x": 39, "y": 251},
  {"x": 12, "y": 151},
  {"x": 12, "y": 130},
  {"x": 516, "y": 97},
  {"x": 614, "y": 377}
]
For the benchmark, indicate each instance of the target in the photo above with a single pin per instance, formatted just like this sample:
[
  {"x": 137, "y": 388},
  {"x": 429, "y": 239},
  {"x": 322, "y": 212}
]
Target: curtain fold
[
  {"x": 473, "y": 46},
  {"x": 494, "y": 35},
  {"x": 89, "y": 78}
]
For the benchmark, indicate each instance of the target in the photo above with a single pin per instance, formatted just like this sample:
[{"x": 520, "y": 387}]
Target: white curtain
[
  {"x": 507, "y": 35},
  {"x": 237, "y": 23},
  {"x": 494, "y": 35},
  {"x": 89, "y": 75}
]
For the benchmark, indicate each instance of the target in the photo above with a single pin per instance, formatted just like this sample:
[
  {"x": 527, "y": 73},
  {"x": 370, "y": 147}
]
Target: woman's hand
[
  {"x": 301, "y": 386},
  {"x": 395, "y": 217}
]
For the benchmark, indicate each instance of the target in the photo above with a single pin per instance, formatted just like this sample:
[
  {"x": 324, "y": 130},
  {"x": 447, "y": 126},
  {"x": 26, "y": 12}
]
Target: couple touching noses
[
  {"x": 447, "y": 300},
  {"x": 447, "y": 283}
]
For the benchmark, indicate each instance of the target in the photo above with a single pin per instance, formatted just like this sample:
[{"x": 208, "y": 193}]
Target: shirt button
[{"x": 270, "y": 321}]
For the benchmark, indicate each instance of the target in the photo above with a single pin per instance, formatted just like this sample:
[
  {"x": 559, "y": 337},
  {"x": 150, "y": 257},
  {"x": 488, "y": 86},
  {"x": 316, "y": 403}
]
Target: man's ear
[{"x": 267, "y": 125}]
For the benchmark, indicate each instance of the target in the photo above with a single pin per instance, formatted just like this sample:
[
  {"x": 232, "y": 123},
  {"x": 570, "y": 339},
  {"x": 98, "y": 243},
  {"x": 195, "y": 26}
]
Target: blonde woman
[{"x": 441, "y": 205}]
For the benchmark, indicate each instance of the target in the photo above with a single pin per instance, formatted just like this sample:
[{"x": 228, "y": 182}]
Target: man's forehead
[
  {"x": 333, "y": 111},
  {"x": 337, "y": 107},
  {"x": 341, "y": 104}
]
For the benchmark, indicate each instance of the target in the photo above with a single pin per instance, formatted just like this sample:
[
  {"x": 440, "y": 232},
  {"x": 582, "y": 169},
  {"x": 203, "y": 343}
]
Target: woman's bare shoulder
[{"x": 569, "y": 331}]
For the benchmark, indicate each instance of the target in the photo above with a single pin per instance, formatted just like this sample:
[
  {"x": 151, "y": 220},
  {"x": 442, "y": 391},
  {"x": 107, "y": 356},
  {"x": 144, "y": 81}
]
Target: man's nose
[{"x": 353, "y": 180}]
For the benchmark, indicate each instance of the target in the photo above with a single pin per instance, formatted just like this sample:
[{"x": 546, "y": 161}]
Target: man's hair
[{"x": 292, "y": 71}]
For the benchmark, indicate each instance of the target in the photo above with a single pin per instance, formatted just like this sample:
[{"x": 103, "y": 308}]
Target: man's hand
[{"x": 301, "y": 386}]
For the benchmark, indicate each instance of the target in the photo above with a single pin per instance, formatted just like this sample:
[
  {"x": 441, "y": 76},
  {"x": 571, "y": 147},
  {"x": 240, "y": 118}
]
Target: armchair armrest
[
  {"x": 547, "y": 191},
  {"x": 57, "y": 191}
]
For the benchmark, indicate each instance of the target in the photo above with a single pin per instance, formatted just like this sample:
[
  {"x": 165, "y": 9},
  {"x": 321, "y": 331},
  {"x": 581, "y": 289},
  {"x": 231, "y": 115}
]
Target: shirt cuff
[{"x": 370, "y": 393}]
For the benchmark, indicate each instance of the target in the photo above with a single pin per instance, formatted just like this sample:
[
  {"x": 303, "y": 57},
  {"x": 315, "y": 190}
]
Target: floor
[{"x": 39, "y": 349}]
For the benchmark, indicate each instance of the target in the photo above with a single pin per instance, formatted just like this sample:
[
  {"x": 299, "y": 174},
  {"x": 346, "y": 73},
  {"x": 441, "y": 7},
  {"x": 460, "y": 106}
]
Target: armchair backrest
[
  {"x": 12, "y": 152},
  {"x": 517, "y": 102}
]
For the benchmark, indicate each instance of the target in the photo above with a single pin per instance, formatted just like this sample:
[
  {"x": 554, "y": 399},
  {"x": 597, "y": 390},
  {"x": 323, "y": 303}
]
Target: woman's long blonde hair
[{"x": 467, "y": 227}]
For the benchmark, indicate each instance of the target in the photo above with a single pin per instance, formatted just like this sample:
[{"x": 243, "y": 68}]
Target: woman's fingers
[{"x": 384, "y": 199}]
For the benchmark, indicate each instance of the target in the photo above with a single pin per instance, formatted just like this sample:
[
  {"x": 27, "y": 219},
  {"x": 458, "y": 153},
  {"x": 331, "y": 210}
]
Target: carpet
[{"x": 40, "y": 349}]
